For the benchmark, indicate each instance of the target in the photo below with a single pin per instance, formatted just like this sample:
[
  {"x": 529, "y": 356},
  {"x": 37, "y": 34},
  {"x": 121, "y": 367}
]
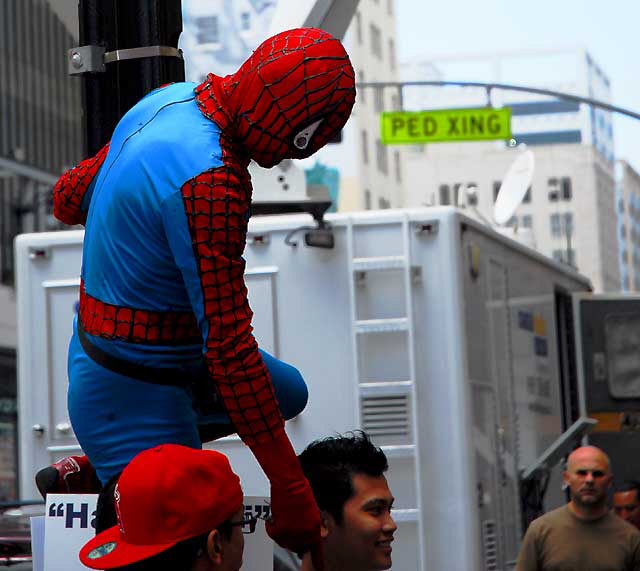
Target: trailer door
[{"x": 608, "y": 349}]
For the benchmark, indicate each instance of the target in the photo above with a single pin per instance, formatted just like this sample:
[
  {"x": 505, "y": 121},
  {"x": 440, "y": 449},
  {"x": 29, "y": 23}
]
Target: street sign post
[{"x": 446, "y": 125}]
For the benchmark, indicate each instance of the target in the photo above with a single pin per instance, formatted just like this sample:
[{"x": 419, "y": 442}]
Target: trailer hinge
[
  {"x": 92, "y": 59},
  {"x": 428, "y": 228}
]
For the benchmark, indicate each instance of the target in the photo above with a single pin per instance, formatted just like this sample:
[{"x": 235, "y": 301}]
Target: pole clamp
[{"x": 92, "y": 59}]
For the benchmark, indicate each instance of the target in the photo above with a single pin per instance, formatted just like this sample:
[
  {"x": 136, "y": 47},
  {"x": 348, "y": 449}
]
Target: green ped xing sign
[{"x": 446, "y": 125}]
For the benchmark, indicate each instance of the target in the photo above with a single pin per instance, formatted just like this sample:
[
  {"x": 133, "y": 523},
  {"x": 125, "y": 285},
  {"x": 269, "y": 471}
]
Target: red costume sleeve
[
  {"x": 72, "y": 187},
  {"x": 216, "y": 204}
]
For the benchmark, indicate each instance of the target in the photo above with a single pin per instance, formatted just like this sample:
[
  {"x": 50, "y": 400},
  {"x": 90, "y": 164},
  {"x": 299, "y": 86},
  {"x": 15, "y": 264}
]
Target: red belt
[{"x": 137, "y": 325}]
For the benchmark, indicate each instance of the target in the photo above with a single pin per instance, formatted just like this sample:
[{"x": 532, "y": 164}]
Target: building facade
[
  {"x": 628, "y": 205},
  {"x": 537, "y": 119},
  {"x": 41, "y": 135},
  {"x": 570, "y": 209}
]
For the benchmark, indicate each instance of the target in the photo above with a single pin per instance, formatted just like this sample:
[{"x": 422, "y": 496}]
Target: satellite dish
[{"x": 513, "y": 187}]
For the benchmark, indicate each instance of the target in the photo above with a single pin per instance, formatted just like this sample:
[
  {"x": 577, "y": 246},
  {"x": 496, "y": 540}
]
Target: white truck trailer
[{"x": 451, "y": 345}]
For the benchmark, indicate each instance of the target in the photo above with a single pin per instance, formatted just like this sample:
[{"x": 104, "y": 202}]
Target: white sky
[{"x": 608, "y": 29}]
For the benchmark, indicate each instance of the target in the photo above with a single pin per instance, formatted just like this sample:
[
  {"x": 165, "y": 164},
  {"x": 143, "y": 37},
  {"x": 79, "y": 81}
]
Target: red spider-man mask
[{"x": 289, "y": 99}]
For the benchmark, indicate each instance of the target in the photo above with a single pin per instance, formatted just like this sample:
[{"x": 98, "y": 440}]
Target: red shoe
[{"x": 71, "y": 475}]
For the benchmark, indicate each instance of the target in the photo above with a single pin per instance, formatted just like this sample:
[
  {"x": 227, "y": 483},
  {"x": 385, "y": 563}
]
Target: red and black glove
[{"x": 295, "y": 523}]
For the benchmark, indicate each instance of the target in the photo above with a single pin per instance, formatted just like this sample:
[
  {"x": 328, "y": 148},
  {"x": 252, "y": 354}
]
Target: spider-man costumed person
[{"x": 166, "y": 205}]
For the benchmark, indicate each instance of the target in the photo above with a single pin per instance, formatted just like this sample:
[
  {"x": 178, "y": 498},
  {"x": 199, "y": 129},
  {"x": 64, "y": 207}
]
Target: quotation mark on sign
[{"x": 71, "y": 514}]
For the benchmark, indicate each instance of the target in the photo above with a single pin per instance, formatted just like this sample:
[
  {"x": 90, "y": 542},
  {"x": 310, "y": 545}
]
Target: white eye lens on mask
[{"x": 301, "y": 140}]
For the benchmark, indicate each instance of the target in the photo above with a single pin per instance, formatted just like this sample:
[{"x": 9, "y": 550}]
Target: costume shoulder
[{"x": 166, "y": 139}]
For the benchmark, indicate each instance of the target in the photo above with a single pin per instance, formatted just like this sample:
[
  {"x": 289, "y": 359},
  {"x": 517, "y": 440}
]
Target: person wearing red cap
[
  {"x": 164, "y": 322},
  {"x": 177, "y": 508}
]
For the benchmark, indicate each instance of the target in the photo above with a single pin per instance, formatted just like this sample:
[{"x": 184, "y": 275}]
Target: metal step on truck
[{"x": 475, "y": 362}]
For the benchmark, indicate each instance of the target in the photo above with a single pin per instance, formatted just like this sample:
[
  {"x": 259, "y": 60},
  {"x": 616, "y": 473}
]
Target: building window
[
  {"x": 376, "y": 40},
  {"x": 455, "y": 198},
  {"x": 527, "y": 196},
  {"x": 471, "y": 194},
  {"x": 365, "y": 147},
  {"x": 566, "y": 188},
  {"x": 208, "y": 31},
  {"x": 362, "y": 91},
  {"x": 562, "y": 224},
  {"x": 367, "y": 199},
  {"x": 359, "y": 27},
  {"x": 623, "y": 232},
  {"x": 513, "y": 221},
  {"x": 396, "y": 156},
  {"x": 496, "y": 189},
  {"x": 245, "y": 21},
  {"x": 527, "y": 221},
  {"x": 392, "y": 54},
  {"x": 378, "y": 100},
  {"x": 565, "y": 256},
  {"x": 382, "y": 157},
  {"x": 556, "y": 225},
  {"x": 383, "y": 203},
  {"x": 568, "y": 223},
  {"x": 554, "y": 189},
  {"x": 445, "y": 197},
  {"x": 559, "y": 189}
]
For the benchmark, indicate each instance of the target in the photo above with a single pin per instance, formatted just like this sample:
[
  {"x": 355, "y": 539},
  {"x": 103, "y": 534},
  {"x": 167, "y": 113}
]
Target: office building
[
  {"x": 40, "y": 136},
  {"x": 628, "y": 206},
  {"x": 570, "y": 208}
]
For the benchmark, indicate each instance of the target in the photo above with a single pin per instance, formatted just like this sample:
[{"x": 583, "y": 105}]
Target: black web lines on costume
[
  {"x": 71, "y": 187},
  {"x": 216, "y": 204}
]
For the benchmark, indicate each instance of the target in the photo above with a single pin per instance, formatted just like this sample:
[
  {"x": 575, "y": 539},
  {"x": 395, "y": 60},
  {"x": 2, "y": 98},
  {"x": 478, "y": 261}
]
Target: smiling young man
[
  {"x": 583, "y": 535},
  {"x": 346, "y": 474}
]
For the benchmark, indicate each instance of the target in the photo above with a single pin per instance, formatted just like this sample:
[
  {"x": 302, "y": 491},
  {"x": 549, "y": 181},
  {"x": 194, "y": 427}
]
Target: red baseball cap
[{"x": 165, "y": 495}]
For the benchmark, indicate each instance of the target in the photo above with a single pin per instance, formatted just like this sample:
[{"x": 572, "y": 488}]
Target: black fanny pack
[{"x": 205, "y": 397}]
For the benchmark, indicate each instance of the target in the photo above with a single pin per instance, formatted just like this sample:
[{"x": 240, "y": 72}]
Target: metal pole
[
  {"x": 506, "y": 87},
  {"x": 121, "y": 25}
]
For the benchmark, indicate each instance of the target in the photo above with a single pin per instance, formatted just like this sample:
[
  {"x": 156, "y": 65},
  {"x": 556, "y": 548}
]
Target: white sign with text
[{"x": 69, "y": 523}]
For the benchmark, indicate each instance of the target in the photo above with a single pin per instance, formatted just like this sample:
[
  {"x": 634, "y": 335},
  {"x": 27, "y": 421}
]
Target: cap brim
[{"x": 107, "y": 550}]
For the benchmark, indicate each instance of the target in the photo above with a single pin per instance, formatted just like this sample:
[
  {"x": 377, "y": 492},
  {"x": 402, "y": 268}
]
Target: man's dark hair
[
  {"x": 330, "y": 463},
  {"x": 628, "y": 486},
  {"x": 181, "y": 556}
]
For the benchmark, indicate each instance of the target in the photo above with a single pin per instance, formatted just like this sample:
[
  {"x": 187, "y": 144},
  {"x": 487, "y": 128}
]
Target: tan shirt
[{"x": 560, "y": 541}]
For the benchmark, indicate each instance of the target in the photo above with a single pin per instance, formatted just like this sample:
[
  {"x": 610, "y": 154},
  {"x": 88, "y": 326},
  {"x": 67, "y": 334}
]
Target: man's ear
[
  {"x": 327, "y": 524},
  {"x": 214, "y": 547},
  {"x": 610, "y": 481}
]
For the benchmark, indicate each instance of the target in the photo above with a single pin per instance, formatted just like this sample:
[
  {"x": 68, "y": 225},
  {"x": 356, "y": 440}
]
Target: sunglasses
[{"x": 248, "y": 524}]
